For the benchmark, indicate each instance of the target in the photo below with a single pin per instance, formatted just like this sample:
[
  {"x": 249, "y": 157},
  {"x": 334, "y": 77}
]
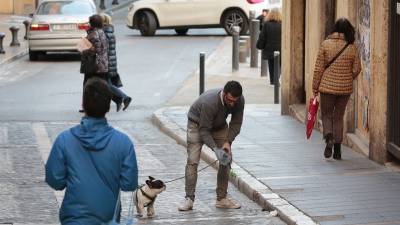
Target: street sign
[{"x": 398, "y": 8}]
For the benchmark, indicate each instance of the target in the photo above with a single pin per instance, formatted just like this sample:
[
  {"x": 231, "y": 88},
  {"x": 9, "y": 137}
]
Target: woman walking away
[
  {"x": 337, "y": 65},
  {"x": 94, "y": 61},
  {"x": 113, "y": 79},
  {"x": 270, "y": 39}
]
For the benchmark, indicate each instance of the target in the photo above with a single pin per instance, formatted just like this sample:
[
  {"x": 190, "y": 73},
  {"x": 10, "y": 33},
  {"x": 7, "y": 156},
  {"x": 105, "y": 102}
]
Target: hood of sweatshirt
[{"x": 94, "y": 133}]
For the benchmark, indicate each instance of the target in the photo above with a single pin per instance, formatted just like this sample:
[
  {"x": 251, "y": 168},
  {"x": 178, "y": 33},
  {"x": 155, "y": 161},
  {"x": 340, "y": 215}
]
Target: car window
[{"x": 65, "y": 8}]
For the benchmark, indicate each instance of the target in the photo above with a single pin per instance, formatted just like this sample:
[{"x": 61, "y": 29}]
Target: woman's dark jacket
[
  {"x": 112, "y": 56},
  {"x": 98, "y": 50},
  {"x": 270, "y": 39}
]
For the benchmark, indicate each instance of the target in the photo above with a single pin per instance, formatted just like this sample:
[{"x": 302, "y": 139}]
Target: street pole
[
  {"x": 26, "y": 23},
  {"x": 264, "y": 67},
  {"x": 277, "y": 73},
  {"x": 14, "y": 32},
  {"x": 2, "y": 35},
  {"x": 255, "y": 30},
  {"x": 235, "y": 48},
  {"x": 201, "y": 83},
  {"x": 102, "y": 6}
]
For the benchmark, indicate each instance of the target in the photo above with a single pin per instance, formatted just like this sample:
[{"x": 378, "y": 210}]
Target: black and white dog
[{"x": 146, "y": 196}]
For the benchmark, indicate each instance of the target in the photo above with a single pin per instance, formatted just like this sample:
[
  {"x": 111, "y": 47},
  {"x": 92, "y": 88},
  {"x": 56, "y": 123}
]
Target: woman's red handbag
[{"x": 311, "y": 116}]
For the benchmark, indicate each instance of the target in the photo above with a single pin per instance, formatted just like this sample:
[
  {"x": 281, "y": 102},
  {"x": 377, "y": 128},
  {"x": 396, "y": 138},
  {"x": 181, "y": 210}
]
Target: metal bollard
[
  {"x": 2, "y": 35},
  {"x": 255, "y": 31},
  {"x": 247, "y": 39},
  {"x": 102, "y": 6},
  {"x": 235, "y": 48},
  {"x": 202, "y": 58},
  {"x": 26, "y": 23},
  {"x": 277, "y": 72},
  {"x": 115, "y": 2},
  {"x": 264, "y": 67},
  {"x": 242, "y": 51},
  {"x": 252, "y": 15},
  {"x": 14, "y": 33}
]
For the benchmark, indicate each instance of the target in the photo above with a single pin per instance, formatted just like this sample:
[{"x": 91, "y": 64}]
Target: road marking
[
  {"x": 3, "y": 135},
  {"x": 221, "y": 218},
  {"x": 42, "y": 139},
  {"x": 44, "y": 146}
]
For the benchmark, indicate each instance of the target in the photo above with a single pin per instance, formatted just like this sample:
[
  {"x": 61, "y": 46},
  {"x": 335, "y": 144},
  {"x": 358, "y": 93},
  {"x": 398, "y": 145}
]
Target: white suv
[{"x": 149, "y": 15}]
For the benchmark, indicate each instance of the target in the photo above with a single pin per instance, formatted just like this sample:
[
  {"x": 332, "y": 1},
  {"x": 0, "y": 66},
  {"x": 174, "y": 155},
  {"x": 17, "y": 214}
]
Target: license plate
[{"x": 64, "y": 26}]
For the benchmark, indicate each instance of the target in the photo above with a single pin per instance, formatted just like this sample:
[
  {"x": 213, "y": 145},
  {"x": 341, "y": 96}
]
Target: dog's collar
[{"x": 152, "y": 199}]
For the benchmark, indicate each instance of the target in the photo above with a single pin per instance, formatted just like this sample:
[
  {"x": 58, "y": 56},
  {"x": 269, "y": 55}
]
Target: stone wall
[
  {"x": 379, "y": 75},
  {"x": 292, "y": 53},
  {"x": 19, "y": 7}
]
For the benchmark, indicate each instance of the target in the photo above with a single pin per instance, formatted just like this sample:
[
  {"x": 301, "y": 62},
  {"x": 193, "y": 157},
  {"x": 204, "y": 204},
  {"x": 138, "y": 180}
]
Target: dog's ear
[
  {"x": 148, "y": 182},
  {"x": 151, "y": 178}
]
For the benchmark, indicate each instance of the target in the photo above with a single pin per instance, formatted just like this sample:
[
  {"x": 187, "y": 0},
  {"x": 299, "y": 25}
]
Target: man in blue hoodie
[{"x": 92, "y": 161}]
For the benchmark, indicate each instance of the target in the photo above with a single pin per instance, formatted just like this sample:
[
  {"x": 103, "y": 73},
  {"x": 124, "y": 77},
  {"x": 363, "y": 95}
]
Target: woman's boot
[
  {"x": 337, "y": 154},
  {"x": 329, "y": 145}
]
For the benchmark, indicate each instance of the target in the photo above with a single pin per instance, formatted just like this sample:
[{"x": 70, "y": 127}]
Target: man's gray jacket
[{"x": 210, "y": 113}]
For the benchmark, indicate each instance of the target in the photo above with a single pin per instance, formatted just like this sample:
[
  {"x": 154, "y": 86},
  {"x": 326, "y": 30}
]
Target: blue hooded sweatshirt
[{"x": 93, "y": 162}]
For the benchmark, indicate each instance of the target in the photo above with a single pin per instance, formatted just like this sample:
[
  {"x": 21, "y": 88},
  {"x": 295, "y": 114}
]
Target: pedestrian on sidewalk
[
  {"x": 207, "y": 125},
  {"x": 337, "y": 65},
  {"x": 262, "y": 17},
  {"x": 269, "y": 40},
  {"x": 92, "y": 161},
  {"x": 94, "y": 61},
  {"x": 113, "y": 78}
]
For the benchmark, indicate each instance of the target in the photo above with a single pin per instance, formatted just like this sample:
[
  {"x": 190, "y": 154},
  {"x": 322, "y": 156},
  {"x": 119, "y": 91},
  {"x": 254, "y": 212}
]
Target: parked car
[
  {"x": 57, "y": 25},
  {"x": 149, "y": 15}
]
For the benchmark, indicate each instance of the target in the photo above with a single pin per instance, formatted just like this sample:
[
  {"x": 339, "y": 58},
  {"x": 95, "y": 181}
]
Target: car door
[
  {"x": 206, "y": 12},
  {"x": 172, "y": 13}
]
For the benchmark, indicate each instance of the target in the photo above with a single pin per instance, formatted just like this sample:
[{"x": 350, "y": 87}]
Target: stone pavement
[
  {"x": 278, "y": 168},
  {"x": 27, "y": 200}
]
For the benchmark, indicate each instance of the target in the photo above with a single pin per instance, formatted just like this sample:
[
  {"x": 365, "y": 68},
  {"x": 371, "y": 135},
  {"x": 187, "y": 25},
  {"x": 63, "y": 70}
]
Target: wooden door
[{"x": 394, "y": 80}]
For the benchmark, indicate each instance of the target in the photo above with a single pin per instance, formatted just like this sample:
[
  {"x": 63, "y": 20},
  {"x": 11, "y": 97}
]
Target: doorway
[{"x": 394, "y": 79}]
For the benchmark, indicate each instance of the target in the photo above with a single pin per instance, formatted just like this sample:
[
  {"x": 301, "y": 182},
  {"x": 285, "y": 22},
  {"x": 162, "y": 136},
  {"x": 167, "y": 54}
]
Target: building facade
[
  {"x": 372, "y": 120},
  {"x": 18, "y": 7}
]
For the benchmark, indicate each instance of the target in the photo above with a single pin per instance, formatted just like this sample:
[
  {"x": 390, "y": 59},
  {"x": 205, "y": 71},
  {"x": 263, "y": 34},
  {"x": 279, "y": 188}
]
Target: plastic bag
[{"x": 311, "y": 116}]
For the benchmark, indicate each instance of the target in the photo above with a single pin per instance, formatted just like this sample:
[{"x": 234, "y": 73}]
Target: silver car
[{"x": 57, "y": 25}]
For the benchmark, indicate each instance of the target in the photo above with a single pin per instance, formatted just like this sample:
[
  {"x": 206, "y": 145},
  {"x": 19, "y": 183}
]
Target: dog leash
[{"x": 179, "y": 178}]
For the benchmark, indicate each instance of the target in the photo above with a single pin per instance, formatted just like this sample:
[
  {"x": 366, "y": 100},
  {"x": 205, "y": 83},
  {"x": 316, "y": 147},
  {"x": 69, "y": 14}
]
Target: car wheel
[
  {"x": 33, "y": 56},
  {"x": 147, "y": 23},
  {"x": 181, "y": 31},
  {"x": 233, "y": 18}
]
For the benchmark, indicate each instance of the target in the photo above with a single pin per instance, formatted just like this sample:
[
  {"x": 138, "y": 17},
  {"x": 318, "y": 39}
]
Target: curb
[
  {"x": 244, "y": 182},
  {"x": 14, "y": 57}
]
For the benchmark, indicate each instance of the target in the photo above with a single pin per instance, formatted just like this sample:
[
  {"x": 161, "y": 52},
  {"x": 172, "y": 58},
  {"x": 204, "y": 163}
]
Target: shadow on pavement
[{"x": 59, "y": 57}]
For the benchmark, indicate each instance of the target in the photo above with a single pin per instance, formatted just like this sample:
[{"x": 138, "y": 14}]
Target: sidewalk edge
[
  {"x": 14, "y": 57},
  {"x": 245, "y": 182}
]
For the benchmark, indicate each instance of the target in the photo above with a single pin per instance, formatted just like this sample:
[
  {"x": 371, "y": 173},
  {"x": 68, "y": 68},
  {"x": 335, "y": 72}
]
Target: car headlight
[{"x": 130, "y": 7}]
